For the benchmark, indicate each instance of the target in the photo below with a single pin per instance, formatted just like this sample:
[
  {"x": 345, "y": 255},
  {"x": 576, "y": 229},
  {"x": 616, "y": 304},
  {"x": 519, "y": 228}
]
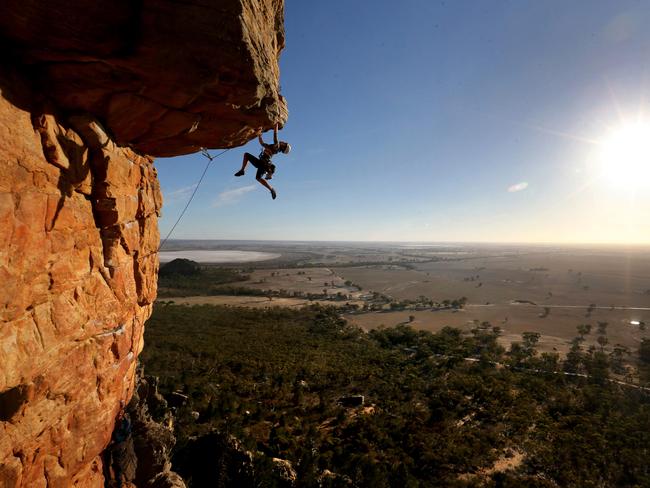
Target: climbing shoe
[
  {"x": 240, "y": 173},
  {"x": 273, "y": 194}
]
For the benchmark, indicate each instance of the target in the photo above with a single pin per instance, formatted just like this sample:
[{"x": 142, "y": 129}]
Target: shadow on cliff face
[
  {"x": 16, "y": 85},
  {"x": 63, "y": 148},
  {"x": 12, "y": 401}
]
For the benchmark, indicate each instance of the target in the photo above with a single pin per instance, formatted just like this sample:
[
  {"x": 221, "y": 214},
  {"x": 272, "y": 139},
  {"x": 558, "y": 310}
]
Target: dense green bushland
[
  {"x": 183, "y": 277},
  {"x": 272, "y": 378}
]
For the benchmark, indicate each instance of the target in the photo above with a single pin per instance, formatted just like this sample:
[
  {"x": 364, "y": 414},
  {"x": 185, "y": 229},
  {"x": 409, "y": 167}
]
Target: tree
[
  {"x": 602, "y": 341},
  {"x": 644, "y": 352},
  {"x": 575, "y": 356},
  {"x": 616, "y": 358},
  {"x": 530, "y": 340},
  {"x": 599, "y": 367},
  {"x": 550, "y": 361},
  {"x": 583, "y": 330}
]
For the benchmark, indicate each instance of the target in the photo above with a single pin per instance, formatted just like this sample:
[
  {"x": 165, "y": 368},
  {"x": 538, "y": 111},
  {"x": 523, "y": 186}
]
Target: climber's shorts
[{"x": 261, "y": 165}]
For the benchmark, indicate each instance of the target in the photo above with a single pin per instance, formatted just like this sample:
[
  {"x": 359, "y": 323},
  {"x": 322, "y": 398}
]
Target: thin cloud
[
  {"x": 230, "y": 197},
  {"x": 180, "y": 194},
  {"x": 521, "y": 186}
]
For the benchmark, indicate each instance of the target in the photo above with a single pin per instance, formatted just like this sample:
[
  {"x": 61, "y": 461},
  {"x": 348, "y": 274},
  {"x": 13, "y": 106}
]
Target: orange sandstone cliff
[{"x": 89, "y": 91}]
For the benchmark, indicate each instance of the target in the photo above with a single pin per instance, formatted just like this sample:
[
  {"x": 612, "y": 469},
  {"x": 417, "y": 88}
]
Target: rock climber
[{"x": 263, "y": 162}]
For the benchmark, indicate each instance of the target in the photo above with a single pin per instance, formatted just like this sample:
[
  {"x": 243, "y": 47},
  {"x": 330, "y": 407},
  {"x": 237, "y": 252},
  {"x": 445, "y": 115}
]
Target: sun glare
[{"x": 625, "y": 156}]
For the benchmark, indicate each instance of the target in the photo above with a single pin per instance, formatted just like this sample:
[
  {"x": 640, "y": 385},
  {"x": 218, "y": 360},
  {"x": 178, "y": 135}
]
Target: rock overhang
[{"x": 163, "y": 77}]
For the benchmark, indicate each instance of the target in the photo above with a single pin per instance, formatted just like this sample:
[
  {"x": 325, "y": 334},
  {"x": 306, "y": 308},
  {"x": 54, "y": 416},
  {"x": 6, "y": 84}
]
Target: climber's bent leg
[
  {"x": 247, "y": 157},
  {"x": 263, "y": 182}
]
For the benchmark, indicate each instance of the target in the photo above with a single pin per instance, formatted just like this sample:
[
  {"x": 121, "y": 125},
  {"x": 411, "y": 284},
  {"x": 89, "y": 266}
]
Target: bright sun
[{"x": 625, "y": 156}]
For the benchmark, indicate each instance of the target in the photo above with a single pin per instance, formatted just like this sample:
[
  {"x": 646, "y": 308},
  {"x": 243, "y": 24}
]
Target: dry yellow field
[
  {"x": 566, "y": 281},
  {"x": 538, "y": 289},
  {"x": 305, "y": 280},
  {"x": 557, "y": 329},
  {"x": 552, "y": 278},
  {"x": 253, "y": 302}
]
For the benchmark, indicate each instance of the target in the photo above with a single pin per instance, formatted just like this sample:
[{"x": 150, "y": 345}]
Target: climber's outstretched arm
[{"x": 275, "y": 137}]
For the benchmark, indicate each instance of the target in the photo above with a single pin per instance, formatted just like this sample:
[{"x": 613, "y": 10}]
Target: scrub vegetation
[
  {"x": 450, "y": 408},
  {"x": 184, "y": 277}
]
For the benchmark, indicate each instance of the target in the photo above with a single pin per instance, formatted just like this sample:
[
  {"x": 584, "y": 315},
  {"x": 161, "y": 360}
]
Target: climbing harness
[
  {"x": 270, "y": 170},
  {"x": 206, "y": 154}
]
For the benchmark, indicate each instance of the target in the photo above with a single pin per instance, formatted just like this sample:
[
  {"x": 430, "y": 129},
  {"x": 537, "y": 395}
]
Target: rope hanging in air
[{"x": 205, "y": 153}]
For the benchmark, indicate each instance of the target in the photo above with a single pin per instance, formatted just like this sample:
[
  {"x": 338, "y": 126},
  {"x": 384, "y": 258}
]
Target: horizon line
[{"x": 448, "y": 242}]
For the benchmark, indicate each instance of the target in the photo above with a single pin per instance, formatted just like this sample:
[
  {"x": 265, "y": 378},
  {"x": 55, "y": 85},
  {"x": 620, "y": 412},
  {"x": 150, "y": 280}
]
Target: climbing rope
[{"x": 205, "y": 153}]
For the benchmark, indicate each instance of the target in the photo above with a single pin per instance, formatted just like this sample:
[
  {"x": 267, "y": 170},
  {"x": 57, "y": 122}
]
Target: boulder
[{"x": 351, "y": 401}]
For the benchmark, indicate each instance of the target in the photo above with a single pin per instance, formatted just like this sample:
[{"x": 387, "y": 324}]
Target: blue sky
[{"x": 411, "y": 121}]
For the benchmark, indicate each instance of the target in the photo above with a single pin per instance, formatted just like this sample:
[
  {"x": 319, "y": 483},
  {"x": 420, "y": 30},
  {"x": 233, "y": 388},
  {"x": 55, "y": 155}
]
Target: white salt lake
[{"x": 227, "y": 256}]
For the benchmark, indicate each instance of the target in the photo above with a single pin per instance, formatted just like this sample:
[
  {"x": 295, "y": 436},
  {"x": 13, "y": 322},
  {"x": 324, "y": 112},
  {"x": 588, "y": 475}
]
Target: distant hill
[
  {"x": 184, "y": 277},
  {"x": 180, "y": 266}
]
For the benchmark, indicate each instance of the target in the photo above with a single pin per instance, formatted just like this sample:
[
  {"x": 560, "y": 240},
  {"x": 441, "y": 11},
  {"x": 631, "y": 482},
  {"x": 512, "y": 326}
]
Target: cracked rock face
[
  {"x": 78, "y": 271},
  {"x": 162, "y": 76},
  {"x": 87, "y": 88}
]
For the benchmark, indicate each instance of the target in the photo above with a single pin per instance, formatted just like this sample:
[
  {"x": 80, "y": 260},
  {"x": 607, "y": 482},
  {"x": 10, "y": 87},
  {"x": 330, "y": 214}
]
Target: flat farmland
[
  {"x": 550, "y": 292},
  {"x": 551, "y": 278},
  {"x": 252, "y": 301},
  {"x": 557, "y": 329},
  {"x": 304, "y": 280},
  {"x": 545, "y": 289}
]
